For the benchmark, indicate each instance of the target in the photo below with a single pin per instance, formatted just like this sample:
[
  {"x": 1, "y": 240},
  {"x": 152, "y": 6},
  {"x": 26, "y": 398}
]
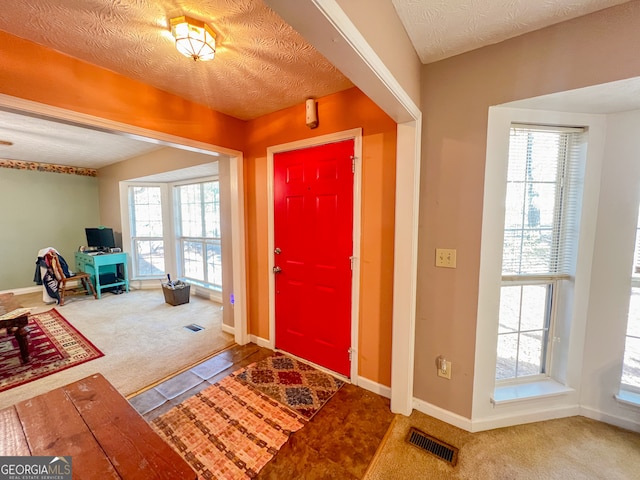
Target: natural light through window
[
  {"x": 538, "y": 240},
  {"x": 147, "y": 243},
  {"x": 631, "y": 366},
  {"x": 199, "y": 232}
]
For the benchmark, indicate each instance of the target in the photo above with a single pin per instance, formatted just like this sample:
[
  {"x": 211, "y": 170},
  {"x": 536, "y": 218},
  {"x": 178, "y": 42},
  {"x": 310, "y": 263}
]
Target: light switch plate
[{"x": 446, "y": 257}]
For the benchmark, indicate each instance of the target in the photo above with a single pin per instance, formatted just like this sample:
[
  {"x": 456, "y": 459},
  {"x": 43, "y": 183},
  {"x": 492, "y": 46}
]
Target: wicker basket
[{"x": 176, "y": 296}]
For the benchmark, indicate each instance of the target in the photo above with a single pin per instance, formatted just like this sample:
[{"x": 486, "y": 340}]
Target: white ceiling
[
  {"x": 46, "y": 141},
  {"x": 262, "y": 65},
  {"x": 443, "y": 28}
]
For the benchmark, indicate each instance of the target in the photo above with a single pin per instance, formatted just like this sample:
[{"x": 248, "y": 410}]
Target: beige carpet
[
  {"x": 569, "y": 449},
  {"x": 142, "y": 337}
]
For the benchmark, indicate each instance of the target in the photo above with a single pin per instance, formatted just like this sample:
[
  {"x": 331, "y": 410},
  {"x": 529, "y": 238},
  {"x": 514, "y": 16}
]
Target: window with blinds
[
  {"x": 631, "y": 365},
  {"x": 540, "y": 233}
]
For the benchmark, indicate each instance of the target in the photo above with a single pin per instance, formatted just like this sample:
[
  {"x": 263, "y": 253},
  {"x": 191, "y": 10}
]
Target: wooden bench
[
  {"x": 16, "y": 325},
  {"x": 95, "y": 425}
]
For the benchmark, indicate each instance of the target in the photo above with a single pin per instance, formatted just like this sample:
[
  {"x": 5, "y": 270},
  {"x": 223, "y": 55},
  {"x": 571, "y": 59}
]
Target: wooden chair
[{"x": 84, "y": 285}]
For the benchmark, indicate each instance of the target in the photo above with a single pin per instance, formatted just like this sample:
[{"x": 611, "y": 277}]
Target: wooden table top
[{"x": 95, "y": 425}]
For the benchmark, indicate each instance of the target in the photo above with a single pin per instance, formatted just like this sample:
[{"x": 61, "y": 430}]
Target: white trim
[
  {"x": 405, "y": 266},
  {"x": 238, "y": 219},
  {"x": 526, "y": 391},
  {"x": 341, "y": 22},
  {"x": 600, "y": 416},
  {"x": 520, "y": 418},
  {"x": 356, "y": 135},
  {"x": 374, "y": 387},
  {"x": 261, "y": 342},
  {"x": 442, "y": 414},
  {"x": 22, "y": 291},
  {"x": 228, "y": 329},
  {"x": 627, "y": 397}
]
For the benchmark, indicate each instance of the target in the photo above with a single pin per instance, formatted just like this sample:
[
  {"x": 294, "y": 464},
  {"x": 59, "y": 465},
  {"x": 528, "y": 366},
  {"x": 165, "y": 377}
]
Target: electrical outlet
[
  {"x": 445, "y": 373},
  {"x": 446, "y": 257}
]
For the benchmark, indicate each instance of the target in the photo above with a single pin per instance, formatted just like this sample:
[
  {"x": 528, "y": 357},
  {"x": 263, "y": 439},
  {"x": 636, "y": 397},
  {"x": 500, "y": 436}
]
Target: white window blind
[{"x": 543, "y": 188}]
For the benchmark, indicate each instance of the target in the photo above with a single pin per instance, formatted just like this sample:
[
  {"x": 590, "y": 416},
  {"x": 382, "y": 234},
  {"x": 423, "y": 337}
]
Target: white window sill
[
  {"x": 628, "y": 398},
  {"x": 506, "y": 394}
]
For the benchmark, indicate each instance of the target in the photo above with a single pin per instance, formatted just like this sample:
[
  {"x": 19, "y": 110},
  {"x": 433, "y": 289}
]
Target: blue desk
[{"x": 95, "y": 265}]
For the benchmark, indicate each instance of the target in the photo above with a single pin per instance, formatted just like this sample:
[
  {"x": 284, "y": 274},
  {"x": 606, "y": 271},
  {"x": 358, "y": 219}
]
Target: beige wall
[
  {"x": 456, "y": 95},
  {"x": 382, "y": 29},
  {"x": 159, "y": 161}
]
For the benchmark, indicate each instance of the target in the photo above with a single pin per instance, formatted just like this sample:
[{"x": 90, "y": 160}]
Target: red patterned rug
[
  {"x": 295, "y": 384},
  {"x": 228, "y": 431},
  {"x": 54, "y": 345}
]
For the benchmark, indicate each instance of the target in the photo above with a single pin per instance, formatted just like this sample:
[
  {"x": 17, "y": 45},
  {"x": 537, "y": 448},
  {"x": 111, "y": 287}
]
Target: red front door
[{"x": 313, "y": 222}]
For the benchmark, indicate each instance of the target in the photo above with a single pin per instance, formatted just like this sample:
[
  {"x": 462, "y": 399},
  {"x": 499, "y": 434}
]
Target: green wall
[{"x": 42, "y": 209}]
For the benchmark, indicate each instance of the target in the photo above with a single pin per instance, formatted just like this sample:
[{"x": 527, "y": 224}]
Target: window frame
[
  {"x": 491, "y": 403},
  {"x": 562, "y": 246},
  {"x": 135, "y": 274},
  {"x": 635, "y": 284},
  {"x": 180, "y": 239}
]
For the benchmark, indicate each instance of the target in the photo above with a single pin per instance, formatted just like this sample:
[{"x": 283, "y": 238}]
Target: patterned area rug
[
  {"x": 54, "y": 345},
  {"x": 228, "y": 431},
  {"x": 301, "y": 387}
]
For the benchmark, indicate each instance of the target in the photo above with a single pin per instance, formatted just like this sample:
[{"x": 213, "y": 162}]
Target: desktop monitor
[{"x": 100, "y": 238}]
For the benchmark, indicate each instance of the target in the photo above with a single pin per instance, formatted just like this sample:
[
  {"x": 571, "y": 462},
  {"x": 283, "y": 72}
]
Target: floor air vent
[
  {"x": 432, "y": 445},
  {"x": 194, "y": 328}
]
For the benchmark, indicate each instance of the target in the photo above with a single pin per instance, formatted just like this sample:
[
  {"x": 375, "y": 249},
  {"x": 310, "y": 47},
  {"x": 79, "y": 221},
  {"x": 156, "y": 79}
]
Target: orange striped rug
[{"x": 228, "y": 431}]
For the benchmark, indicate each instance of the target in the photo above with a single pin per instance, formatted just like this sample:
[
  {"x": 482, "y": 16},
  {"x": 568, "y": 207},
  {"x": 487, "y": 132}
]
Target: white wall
[{"x": 617, "y": 216}]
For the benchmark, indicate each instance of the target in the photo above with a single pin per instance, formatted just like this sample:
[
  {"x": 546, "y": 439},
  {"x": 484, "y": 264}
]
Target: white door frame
[
  {"x": 238, "y": 220},
  {"x": 356, "y": 135}
]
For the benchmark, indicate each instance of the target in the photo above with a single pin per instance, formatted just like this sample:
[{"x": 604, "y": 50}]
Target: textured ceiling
[
  {"x": 442, "y": 28},
  {"x": 44, "y": 141},
  {"x": 261, "y": 64}
]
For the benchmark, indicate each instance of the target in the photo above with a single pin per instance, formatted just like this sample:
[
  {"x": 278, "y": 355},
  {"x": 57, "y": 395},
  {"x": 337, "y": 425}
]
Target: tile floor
[
  {"x": 339, "y": 442},
  {"x": 166, "y": 395}
]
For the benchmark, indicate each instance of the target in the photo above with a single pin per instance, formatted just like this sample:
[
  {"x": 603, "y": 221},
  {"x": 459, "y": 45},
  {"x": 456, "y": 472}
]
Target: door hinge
[
  {"x": 352, "y": 259},
  {"x": 351, "y": 350},
  {"x": 353, "y": 164}
]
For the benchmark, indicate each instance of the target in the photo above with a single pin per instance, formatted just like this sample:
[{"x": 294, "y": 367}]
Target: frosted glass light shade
[{"x": 194, "y": 38}]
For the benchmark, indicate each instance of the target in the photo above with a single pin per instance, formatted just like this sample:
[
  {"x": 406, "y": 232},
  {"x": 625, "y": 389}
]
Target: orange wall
[
  {"x": 338, "y": 112},
  {"x": 35, "y": 73},
  {"x": 39, "y": 74}
]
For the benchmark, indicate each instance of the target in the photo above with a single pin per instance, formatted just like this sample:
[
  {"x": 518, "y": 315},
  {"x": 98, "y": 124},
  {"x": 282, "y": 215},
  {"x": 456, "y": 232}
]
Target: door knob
[{"x": 277, "y": 269}]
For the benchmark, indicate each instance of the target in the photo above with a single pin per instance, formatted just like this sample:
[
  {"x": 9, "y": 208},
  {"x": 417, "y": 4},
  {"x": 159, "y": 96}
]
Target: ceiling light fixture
[{"x": 194, "y": 38}]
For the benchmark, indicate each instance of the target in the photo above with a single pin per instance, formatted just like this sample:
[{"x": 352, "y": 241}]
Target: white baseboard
[
  {"x": 228, "y": 329},
  {"x": 374, "y": 387},
  {"x": 22, "y": 291},
  {"x": 509, "y": 420},
  {"x": 145, "y": 285},
  {"x": 261, "y": 342},
  {"x": 611, "y": 419},
  {"x": 442, "y": 414}
]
